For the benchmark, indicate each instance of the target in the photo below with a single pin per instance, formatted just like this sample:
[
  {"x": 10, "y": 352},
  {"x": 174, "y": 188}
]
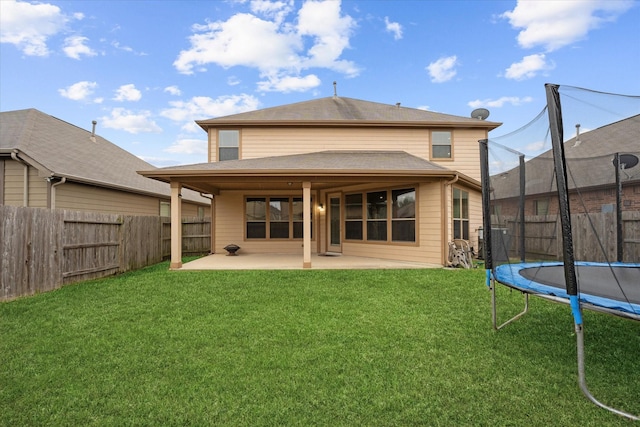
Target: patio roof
[{"x": 324, "y": 169}]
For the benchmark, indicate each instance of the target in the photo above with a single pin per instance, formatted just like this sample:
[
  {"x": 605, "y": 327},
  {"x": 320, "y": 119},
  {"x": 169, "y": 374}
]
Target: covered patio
[{"x": 257, "y": 261}]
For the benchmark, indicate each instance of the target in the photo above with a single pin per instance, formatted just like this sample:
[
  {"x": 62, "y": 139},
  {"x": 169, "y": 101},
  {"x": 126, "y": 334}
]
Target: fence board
[
  {"x": 594, "y": 236},
  {"x": 41, "y": 249}
]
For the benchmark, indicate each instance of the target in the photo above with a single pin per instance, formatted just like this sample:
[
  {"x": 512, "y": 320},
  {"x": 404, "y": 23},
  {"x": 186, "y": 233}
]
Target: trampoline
[
  {"x": 572, "y": 202},
  {"x": 612, "y": 288}
]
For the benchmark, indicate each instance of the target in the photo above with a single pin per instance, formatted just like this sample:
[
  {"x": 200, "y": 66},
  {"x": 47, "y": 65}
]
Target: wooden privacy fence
[
  {"x": 42, "y": 249},
  {"x": 594, "y": 236}
]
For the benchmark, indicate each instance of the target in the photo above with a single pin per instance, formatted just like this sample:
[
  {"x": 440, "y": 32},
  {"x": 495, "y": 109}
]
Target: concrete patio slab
[{"x": 294, "y": 262}]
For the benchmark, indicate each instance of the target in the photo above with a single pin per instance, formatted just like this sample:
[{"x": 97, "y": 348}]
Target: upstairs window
[
  {"x": 441, "y": 145},
  {"x": 228, "y": 145}
]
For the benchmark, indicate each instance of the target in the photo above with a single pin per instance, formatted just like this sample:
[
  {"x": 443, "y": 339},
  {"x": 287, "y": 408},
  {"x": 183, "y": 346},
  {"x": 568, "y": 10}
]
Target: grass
[{"x": 326, "y": 348}]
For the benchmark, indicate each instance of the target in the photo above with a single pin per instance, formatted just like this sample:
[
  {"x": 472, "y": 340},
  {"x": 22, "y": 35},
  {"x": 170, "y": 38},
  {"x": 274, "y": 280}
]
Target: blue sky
[{"x": 145, "y": 70}]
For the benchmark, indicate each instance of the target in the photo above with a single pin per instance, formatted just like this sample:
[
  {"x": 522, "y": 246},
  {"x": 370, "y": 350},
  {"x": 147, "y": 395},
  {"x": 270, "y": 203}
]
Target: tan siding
[
  {"x": 475, "y": 217},
  {"x": 466, "y": 152},
  {"x": 190, "y": 210},
  {"x": 13, "y": 183},
  {"x": 213, "y": 155},
  {"x": 38, "y": 189},
  {"x": 229, "y": 226},
  {"x": 266, "y": 142},
  {"x": 429, "y": 235},
  {"x": 14, "y": 186},
  {"x": 96, "y": 199}
]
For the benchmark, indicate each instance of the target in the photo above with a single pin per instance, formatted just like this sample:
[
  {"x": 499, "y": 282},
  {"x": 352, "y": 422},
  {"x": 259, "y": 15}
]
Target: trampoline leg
[
  {"x": 494, "y": 316},
  {"x": 583, "y": 382}
]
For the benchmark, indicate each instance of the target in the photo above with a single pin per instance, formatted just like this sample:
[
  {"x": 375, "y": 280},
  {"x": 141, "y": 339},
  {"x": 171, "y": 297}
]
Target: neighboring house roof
[
  {"x": 321, "y": 167},
  {"x": 590, "y": 161},
  {"x": 60, "y": 149},
  {"x": 345, "y": 112}
]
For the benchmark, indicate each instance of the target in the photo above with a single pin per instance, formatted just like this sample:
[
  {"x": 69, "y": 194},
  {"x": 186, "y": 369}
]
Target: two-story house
[{"x": 337, "y": 175}]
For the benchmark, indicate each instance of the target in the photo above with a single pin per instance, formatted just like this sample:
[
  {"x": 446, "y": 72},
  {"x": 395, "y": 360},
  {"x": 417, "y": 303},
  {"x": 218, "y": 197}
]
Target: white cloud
[
  {"x": 554, "y": 24},
  {"x": 289, "y": 84},
  {"x": 203, "y": 107},
  {"x": 233, "y": 81},
  {"x": 79, "y": 91},
  {"x": 173, "y": 90},
  {"x": 443, "y": 69},
  {"x": 188, "y": 146},
  {"x": 29, "y": 25},
  {"x": 129, "y": 49},
  {"x": 75, "y": 46},
  {"x": 393, "y": 27},
  {"x": 529, "y": 67},
  {"x": 277, "y": 49},
  {"x": 322, "y": 21},
  {"x": 277, "y": 10},
  {"x": 500, "y": 102},
  {"x": 128, "y": 121},
  {"x": 127, "y": 93}
]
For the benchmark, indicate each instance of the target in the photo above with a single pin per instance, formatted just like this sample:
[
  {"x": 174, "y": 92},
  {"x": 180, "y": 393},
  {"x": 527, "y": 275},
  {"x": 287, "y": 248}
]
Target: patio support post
[
  {"x": 306, "y": 224},
  {"x": 176, "y": 225}
]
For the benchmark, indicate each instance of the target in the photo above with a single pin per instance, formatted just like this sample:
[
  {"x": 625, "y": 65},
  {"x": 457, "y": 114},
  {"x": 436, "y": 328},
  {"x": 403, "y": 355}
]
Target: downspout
[
  {"x": 212, "y": 242},
  {"x": 25, "y": 179},
  {"x": 445, "y": 220},
  {"x": 53, "y": 190}
]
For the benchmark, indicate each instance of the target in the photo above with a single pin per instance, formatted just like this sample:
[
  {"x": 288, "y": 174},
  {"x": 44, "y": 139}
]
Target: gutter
[
  {"x": 25, "y": 179},
  {"x": 53, "y": 189}
]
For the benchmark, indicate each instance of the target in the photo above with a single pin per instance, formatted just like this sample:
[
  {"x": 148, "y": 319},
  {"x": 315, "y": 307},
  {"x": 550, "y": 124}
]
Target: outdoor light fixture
[{"x": 321, "y": 207}]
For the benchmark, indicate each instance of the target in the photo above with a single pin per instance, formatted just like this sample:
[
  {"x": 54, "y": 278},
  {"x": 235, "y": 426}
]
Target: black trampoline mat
[{"x": 616, "y": 283}]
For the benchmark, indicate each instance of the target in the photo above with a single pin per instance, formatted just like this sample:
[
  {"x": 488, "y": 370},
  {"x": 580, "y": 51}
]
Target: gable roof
[
  {"x": 589, "y": 161},
  {"x": 57, "y": 148},
  {"x": 321, "y": 168},
  {"x": 340, "y": 111}
]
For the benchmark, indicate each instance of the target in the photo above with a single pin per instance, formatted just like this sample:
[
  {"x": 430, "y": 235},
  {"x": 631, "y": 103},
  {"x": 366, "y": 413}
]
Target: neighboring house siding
[
  {"x": 38, "y": 188},
  {"x": 13, "y": 183},
  {"x": 268, "y": 142},
  {"x": 95, "y": 199}
]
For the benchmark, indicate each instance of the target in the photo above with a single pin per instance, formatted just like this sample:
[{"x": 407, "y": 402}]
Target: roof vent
[
  {"x": 577, "y": 142},
  {"x": 335, "y": 89},
  {"x": 93, "y": 131},
  {"x": 397, "y": 105}
]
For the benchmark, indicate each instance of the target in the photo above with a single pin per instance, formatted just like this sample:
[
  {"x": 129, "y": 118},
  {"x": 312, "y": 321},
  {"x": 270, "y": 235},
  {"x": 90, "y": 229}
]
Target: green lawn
[{"x": 307, "y": 348}]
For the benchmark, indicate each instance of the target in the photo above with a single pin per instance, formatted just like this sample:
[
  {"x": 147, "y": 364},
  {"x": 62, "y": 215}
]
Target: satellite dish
[
  {"x": 480, "y": 113},
  {"x": 627, "y": 161}
]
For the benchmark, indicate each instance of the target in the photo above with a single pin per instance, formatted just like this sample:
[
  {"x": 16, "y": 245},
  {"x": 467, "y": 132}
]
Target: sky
[{"x": 146, "y": 70}]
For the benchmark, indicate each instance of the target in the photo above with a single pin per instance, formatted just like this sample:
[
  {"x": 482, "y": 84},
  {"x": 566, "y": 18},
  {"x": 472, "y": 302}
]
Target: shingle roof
[
  {"x": 66, "y": 150},
  {"x": 589, "y": 162},
  {"x": 346, "y": 111}
]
